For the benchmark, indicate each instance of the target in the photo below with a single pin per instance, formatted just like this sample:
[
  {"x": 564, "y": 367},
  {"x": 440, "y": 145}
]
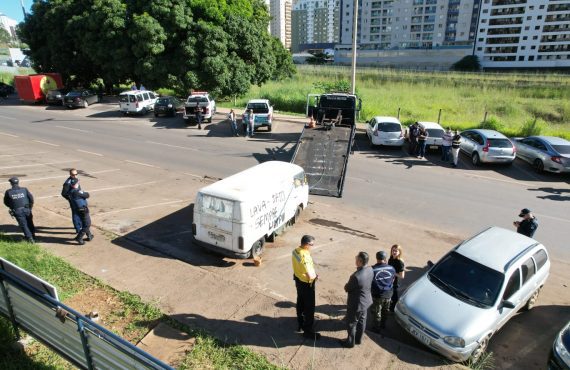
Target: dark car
[
  {"x": 559, "y": 358},
  {"x": 168, "y": 105},
  {"x": 80, "y": 98},
  {"x": 55, "y": 97}
]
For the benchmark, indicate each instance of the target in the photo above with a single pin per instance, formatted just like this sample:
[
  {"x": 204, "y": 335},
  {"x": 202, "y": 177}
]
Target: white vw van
[{"x": 236, "y": 215}]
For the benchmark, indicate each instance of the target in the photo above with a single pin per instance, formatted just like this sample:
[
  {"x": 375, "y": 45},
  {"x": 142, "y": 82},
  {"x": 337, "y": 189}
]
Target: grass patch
[{"x": 126, "y": 315}]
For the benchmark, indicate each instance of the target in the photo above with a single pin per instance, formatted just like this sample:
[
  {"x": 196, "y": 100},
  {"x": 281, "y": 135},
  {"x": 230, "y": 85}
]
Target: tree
[
  {"x": 469, "y": 63},
  {"x": 5, "y": 37}
]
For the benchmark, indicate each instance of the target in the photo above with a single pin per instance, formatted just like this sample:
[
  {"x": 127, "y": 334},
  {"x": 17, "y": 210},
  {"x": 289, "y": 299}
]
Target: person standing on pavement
[
  {"x": 422, "y": 137},
  {"x": 446, "y": 142},
  {"x": 455, "y": 144},
  {"x": 382, "y": 290},
  {"x": 233, "y": 125},
  {"x": 250, "y": 123},
  {"x": 79, "y": 199},
  {"x": 528, "y": 225},
  {"x": 413, "y": 137},
  {"x": 305, "y": 277},
  {"x": 65, "y": 193},
  {"x": 20, "y": 202},
  {"x": 359, "y": 300},
  {"x": 397, "y": 262},
  {"x": 198, "y": 116}
]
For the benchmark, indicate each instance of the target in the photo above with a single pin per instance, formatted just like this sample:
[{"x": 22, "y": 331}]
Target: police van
[{"x": 237, "y": 215}]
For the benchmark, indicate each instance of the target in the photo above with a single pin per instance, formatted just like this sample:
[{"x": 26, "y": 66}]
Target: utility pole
[{"x": 354, "y": 36}]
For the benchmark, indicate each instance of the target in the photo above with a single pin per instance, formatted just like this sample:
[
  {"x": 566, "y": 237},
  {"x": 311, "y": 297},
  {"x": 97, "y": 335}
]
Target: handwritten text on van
[{"x": 269, "y": 212}]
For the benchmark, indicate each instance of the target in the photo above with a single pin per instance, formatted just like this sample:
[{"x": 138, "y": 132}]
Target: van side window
[
  {"x": 540, "y": 258},
  {"x": 151, "y": 94},
  {"x": 299, "y": 179},
  {"x": 513, "y": 285},
  {"x": 139, "y": 97},
  {"x": 145, "y": 96},
  {"x": 479, "y": 139},
  {"x": 132, "y": 98},
  {"x": 527, "y": 270}
]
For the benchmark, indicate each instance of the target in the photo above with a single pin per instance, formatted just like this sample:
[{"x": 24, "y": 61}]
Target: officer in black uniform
[
  {"x": 528, "y": 225},
  {"x": 78, "y": 199},
  {"x": 65, "y": 193},
  {"x": 20, "y": 201}
]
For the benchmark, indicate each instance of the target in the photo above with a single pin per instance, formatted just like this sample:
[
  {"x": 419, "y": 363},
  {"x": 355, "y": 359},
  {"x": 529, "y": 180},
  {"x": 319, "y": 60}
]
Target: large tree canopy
[{"x": 218, "y": 45}]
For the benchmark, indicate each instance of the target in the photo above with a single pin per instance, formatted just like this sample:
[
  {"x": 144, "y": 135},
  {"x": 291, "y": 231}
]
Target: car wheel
[
  {"x": 297, "y": 213},
  {"x": 269, "y": 128},
  {"x": 538, "y": 166},
  {"x": 257, "y": 249},
  {"x": 155, "y": 114},
  {"x": 480, "y": 350},
  {"x": 532, "y": 300},
  {"x": 475, "y": 159},
  {"x": 187, "y": 121},
  {"x": 85, "y": 104},
  {"x": 172, "y": 113},
  {"x": 144, "y": 111},
  {"x": 210, "y": 120}
]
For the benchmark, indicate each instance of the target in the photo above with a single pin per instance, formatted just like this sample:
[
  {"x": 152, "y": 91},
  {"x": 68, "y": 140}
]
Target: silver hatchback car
[
  {"x": 487, "y": 146},
  {"x": 544, "y": 153},
  {"x": 457, "y": 306}
]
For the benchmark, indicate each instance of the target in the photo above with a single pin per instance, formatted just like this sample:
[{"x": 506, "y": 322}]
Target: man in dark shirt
[
  {"x": 78, "y": 200},
  {"x": 65, "y": 193},
  {"x": 528, "y": 225},
  {"x": 382, "y": 289},
  {"x": 20, "y": 201}
]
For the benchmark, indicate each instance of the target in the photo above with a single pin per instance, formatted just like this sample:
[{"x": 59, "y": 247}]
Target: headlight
[
  {"x": 402, "y": 308},
  {"x": 454, "y": 341},
  {"x": 560, "y": 349},
  {"x": 169, "y": 105}
]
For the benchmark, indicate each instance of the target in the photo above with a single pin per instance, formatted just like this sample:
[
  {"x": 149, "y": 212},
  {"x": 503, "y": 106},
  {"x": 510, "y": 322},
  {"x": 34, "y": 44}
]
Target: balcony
[
  {"x": 505, "y": 21},
  {"x": 558, "y": 18},
  {"x": 554, "y": 48},
  {"x": 556, "y": 38},
  {"x": 502, "y": 40},
  {"x": 559, "y": 7},
  {"x": 510, "y": 58},
  {"x": 508, "y": 2},
  {"x": 508, "y": 11},
  {"x": 501, "y": 50},
  {"x": 504, "y": 31},
  {"x": 556, "y": 28}
]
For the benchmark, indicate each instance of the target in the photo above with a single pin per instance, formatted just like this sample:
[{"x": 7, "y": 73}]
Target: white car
[
  {"x": 383, "y": 130},
  {"x": 435, "y": 131},
  {"x": 199, "y": 99},
  {"x": 137, "y": 101},
  {"x": 262, "y": 113}
]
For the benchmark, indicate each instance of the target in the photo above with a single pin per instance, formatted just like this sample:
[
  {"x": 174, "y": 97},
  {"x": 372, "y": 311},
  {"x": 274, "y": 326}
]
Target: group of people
[
  {"x": 451, "y": 141},
  {"x": 248, "y": 119},
  {"x": 20, "y": 201},
  {"x": 375, "y": 287}
]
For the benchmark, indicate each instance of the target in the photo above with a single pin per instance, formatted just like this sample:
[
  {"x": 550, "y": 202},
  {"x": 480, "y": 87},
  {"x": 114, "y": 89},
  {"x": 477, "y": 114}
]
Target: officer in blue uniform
[
  {"x": 78, "y": 199},
  {"x": 20, "y": 201},
  {"x": 65, "y": 193}
]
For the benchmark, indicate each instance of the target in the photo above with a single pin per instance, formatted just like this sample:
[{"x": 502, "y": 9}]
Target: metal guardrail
[{"x": 73, "y": 336}]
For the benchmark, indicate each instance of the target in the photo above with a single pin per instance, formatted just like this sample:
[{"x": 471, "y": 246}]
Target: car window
[
  {"x": 528, "y": 270},
  {"x": 151, "y": 94},
  {"x": 258, "y": 107},
  {"x": 467, "y": 135},
  {"x": 372, "y": 123},
  {"x": 540, "y": 258},
  {"x": 139, "y": 97},
  {"x": 529, "y": 142},
  {"x": 197, "y": 99},
  {"x": 562, "y": 149},
  {"x": 123, "y": 98},
  {"x": 500, "y": 143},
  {"x": 540, "y": 146},
  {"x": 478, "y": 139},
  {"x": 389, "y": 127},
  {"x": 162, "y": 101},
  {"x": 132, "y": 98},
  {"x": 513, "y": 285},
  {"x": 435, "y": 132},
  {"x": 145, "y": 95}
]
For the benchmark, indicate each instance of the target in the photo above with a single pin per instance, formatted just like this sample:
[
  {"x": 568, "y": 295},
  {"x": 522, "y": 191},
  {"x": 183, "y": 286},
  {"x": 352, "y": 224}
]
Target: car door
[
  {"x": 524, "y": 147},
  {"x": 541, "y": 151},
  {"x": 512, "y": 294},
  {"x": 370, "y": 128},
  {"x": 92, "y": 97},
  {"x": 467, "y": 143}
]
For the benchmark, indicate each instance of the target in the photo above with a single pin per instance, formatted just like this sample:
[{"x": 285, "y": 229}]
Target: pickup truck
[
  {"x": 262, "y": 113},
  {"x": 199, "y": 99}
]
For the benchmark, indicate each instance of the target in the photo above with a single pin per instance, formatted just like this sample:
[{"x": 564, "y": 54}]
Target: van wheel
[
  {"x": 475, "y": 159},
  {"x": 269, "y": 128},
  {"x": 297, "y": 214},
  {"x": 532, "y": 300},
  {"x": 480, "y": 350},
  {"x": 257, "y": 248},
  {"x": 271, "y": 237},
  {"x": 144, "y": 111}
]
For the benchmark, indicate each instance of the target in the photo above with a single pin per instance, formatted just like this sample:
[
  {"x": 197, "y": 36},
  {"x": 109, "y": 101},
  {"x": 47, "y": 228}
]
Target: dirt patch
[{"x": 444, "y": 237}]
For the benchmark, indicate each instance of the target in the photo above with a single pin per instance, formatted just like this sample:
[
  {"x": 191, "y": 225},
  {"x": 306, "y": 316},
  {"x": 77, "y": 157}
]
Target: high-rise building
[
  {"x": 280, "y": 23},
  {"x": 314, "y": 24},
  {"x": 8, "y": 24},
  {"x": 524, "y": 34}
]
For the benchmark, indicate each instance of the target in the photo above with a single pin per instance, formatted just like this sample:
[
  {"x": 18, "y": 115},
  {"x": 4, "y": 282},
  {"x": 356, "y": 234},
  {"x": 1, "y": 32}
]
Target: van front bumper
[{"x": 222, "y": 251}]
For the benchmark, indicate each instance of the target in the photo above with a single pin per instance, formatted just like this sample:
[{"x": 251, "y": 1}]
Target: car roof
[
  {"x": 427, "y": 124},
  {"x": 488, "y": 133},
  {"x": 552, "y": 140},
  {"x": 258, "y": 101},
  {"x": 135, "y": 92},
  {"x": 386, "y": 119},
  {"x": 495, "y": 247}
]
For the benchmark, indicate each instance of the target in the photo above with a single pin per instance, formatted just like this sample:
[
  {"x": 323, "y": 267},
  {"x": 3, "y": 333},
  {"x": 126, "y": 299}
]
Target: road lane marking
[
  {"x": 501, "y": 180},
  {"x": 17, "y": 155},
  {"x": 172, "y": 146},
  {"x": 88, "y": 152},
  {"x": 5, "y": 134},
  {"x": 104, "y": 189},
  {"x": 44, "y": 142},
  {"x": 142, "y": 207},
  {"x": 74, "y": 129},
  {"x": 8, "y": 118},
  {"x": 142, "y": 164},
  {"x": 65, "y": 176},
  {"x": 37, "y": 164}
]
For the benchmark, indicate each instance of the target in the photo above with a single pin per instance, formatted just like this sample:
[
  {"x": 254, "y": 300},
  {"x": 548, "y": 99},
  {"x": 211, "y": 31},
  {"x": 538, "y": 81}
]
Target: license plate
[
  {"x": 433, "y": 147},
  {"x": 217, "y": 237},
  {"x": 421, "y": 336}
]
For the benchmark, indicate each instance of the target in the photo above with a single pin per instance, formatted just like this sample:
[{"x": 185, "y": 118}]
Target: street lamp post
[{"x": 354, "y": 35}]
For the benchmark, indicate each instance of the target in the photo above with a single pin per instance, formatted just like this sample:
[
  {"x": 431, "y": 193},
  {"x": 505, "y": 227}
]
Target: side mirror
[
  {"x": 430, "y": 264},
  {"x": 508, "y": 304}
]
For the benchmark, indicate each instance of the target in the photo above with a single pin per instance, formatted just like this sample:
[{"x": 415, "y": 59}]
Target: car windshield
[
  {"x": 197, "y": 99},
  {"x": 562, "y": 149},
  {"x": 434, "y": 132},
  {"x": 467, "y": 280},
  {"x": 218, "y": 207},
  {"x": 74, "y": 93},
  {"x": 389, "y": 127},
  {"x": 500, "y": 143},
  {"x": 258, "y": 107},
  {"x": 163, "y": 101}
]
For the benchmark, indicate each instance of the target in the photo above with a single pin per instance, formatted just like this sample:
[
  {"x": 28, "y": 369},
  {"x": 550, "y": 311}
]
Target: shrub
[
  {"x": 532, "y": 127},
  {"x": 469, "y": 63},
  {"x": 492, "y": 123}
]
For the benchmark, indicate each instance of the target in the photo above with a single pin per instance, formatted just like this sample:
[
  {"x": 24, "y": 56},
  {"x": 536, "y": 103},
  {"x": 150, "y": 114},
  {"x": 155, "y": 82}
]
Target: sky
[{"x": 13, "y": 8}]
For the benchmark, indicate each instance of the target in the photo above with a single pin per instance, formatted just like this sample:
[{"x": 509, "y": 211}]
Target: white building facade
[
  {"x": 315, "y": 22},
  {"x": 8, "y": 24},
  {"x": 524, "y": 34}
]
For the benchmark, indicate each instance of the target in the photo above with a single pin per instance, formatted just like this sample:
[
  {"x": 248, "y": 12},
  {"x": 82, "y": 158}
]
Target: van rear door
[{"x": 216, "y": 221}]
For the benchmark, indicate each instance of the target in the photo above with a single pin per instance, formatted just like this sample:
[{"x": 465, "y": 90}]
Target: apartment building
[
  {"x": 524, "y": 34},
  {"x": 8, "y": 24},
  {"x": 314, "y": 24},
  {"x": 280, "y": 23}
]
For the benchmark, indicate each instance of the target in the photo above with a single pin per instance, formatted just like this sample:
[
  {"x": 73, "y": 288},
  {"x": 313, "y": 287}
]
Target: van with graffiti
[{"x": 237, "y": 215}]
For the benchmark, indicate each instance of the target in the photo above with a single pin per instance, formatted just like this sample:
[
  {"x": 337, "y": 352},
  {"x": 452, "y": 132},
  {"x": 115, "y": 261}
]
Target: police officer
[
  {"x": 78, "y": 200},
  {"x": 528, "y": 225},
  {"x": 65, "y": 193},
  {"x": 20, "y": 201},
  {"x": 199, "y": 117}
]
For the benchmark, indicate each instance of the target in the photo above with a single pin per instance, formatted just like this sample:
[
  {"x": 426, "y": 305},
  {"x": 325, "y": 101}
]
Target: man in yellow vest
[{"x": 305, "y": 277}]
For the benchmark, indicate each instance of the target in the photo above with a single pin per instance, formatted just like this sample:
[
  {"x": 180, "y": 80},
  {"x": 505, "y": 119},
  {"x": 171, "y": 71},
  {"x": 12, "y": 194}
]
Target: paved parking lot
[{"x": 143, "y": 174}]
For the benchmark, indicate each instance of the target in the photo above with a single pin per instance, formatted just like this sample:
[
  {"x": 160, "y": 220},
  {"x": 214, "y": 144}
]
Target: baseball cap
[
  {"x": 381, "y": 256},
  {"x": 524, "y": 211},
  {"x": 14, "y": 180}
]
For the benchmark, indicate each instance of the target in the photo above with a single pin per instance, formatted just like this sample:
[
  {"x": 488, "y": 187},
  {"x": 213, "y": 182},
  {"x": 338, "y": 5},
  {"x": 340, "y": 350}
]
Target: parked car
[
  {"x": 544, "y": 153},
  {"x": 137, "y": 101},
  {"x": 487, "y": 146},
  {"x": 466, "y": 297},
  {"x": 199, "y": 99},
  {"x": 262, "y": 113},
  {"x": 168, "y": 105},
  {"x": 435, "y": 131},
  {"x": 56, "y": 96},
  {"x": 559, "y": 358},
  {"x": 80, "y": 98},
  {"x": 385, "y": 131}
]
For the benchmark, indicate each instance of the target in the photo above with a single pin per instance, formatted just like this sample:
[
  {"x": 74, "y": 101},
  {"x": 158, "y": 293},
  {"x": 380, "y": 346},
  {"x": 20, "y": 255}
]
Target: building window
[
  {"x": 525, "y": 37},
  {"x": 533, "y": 47},
  {"x": 535, "y": 37},
  {"x": 531, "y": 58},
  {"x": 482, "y": 30},
  {"x": 481, "y": 39},
  {"x": 483, "y": 21},
  {"x": 531, "y": 7},
  {"x": 537, "y": 27},
  {"x": 527, "y": 28},
  {"x": 541, "y": 7},
  {"x": 521, "y": 58},
  {"x": 485, "y": 10},
  {"x": 528, "y": 18},
  {"x": 523, "y": 47},
  {"x": 479, "y": 49}
]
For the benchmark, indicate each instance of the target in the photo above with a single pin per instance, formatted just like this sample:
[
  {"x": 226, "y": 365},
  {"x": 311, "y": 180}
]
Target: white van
[
  {"x": 137, "y": 101},
  {"x": 236, "y": 215}
]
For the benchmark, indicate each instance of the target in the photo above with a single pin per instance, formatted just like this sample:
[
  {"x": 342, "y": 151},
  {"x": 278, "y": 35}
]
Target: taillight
[
  {"x": 375, "y": 133},
  {"x": 486, "y": 147},
  {"x": 240, "y": 243},
  {"x": 556, "y": 159},
  {"x": 514, "y": 149}
]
